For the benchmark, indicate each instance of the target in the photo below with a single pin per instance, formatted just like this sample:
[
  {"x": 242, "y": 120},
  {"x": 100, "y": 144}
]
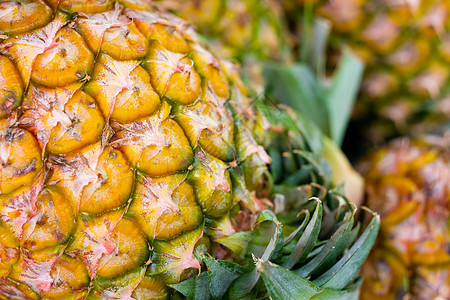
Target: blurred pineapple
[
  {"x": 408, "y": 183},
  {"x": 238, "y": 27},
  {"x": 129, "y": 157},
  {"x": 406, "y": 47}
]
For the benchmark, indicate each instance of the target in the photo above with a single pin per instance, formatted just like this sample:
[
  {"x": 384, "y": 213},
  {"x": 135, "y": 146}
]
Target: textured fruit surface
[
  {"x": 120, "y": 137},
  {"x": 405, "y": 45},
  {"x": 239, "y": 27},
  {"x": 408, "y": 184}
]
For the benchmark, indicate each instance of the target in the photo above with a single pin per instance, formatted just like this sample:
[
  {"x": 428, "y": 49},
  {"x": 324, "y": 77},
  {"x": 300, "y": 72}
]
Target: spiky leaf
[{"x": 346, "y": 269}]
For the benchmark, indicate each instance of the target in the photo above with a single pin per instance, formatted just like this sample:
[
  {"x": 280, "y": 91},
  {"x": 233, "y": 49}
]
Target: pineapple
[
  {"x": 132, "y": 168},
  {"x": 119, "y": 137},
  {"x": 408, "y": 184},
  {"x": 238, "y": 27},
  {"x": 405, "y": 47}
]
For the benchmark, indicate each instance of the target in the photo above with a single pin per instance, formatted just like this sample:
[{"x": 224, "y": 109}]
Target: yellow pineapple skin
[
  {"x": 238, "y": 27},
  {"x": 408, "y": 185},
  {"x": 405, "y": 46},
  {"x": 118, "y": 140}
]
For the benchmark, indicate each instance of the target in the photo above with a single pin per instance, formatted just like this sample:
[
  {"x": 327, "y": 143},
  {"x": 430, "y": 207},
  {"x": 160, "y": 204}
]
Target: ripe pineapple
[
  {"x": 238, "y": 27},
  {"x": 129, "y": 157},
  {"x": 405, "y": 45},
  {"x": 119, "y": 136},
  {"x": 408, "y": 184}
]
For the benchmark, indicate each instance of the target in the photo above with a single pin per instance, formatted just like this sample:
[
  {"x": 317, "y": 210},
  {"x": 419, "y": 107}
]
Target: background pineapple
[
  {"x": 129, "y": 151},
  {"x": 405, "y": 47},
  {"x": 408, "y": 184},
  {"x": 238, "y": 28}
]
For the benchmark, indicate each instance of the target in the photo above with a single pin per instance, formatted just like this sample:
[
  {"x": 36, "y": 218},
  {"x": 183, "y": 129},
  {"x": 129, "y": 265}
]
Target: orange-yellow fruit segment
[
  {"x": 66, "y": 61},
  {"x": 165, "y": 206},
  {"x": 94, "y": 179},
  {"x": 172, "y": 259},
  {"x": 84, "y": 126},
  {"x": 131, "y": 250},
  {"x": 151, "y": 288},
  {"x": 210, "y": 124},
  {"x": 122, "y": 89},
  {"x": 24, "y": 49},
  {"x": 34, "y": 269},
  {"x": 69, "y": 274},
  {"x": 212, "y": 185},
  {"x": 53, "y": 223},
  {"x": 20, "y": 159},
  {"x": 93, "y": 238},
  {"x": 156, "y": 145},
  {"x": 113, "y": 186},
  {"x": 124, "y": 42},
  {"x": 85, "y": 6},
  {"x": 169, "y": 37},
  {"x": 137, "y": 102},
  {"x": 9, "y": 252},
  {"x": 175, "y": 155},
  {"x": 173, "y": 75},
  {"x": 11, "y": 288},
  {"x": 209, "y": 67},
  {"x": 23, "y": 16},
  {"x": 11, "y": 87}
]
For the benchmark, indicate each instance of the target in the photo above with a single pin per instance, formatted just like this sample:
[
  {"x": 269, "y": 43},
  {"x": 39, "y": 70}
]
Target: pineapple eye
[
  {"x": 131, "y": 250},
  {"x": 209, "y": 123},
  {"x": 63, "y": 62},
  {"x": 151, "y": 287},
  {"x": 124, "y": 42},
  {"x": 165, "y": 206},
  {"x": 168, "y": 36},
  {"x": 156, "y": 147},
  {"x": 54, "y": 225},
  {"x": 22, "y": 16},
  {"x": 109, "y": 244},
  {"x": 23, "y": 161},
  {"x": 122, "y": 90},
  {"x": 63, "y": 270},
  {"x": 209, "y": 67},
  {"x": 172, "y": 75},
  {"x": 212, "y": 185},
  {"x": 68, "y": 124}
]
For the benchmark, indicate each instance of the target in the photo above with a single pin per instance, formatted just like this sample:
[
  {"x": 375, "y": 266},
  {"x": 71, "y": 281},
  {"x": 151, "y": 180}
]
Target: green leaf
[
  {"x": 221, "y": 274},
  {"x": 284, "y": 284},
  {"x": 306, "y": 131},
  {"x": 342, "y": 94},
  {"x": 297, "y": 87},
  {"x": 267, "y": 241},
  {"x": 308, "y": 239},
  {"x": 349, "y": 294},
  {"x": 322, "y": 28},
  {"x": 237, "y": 242},
  {"x": 347, "y": 268},
  {"x": 333, "y": 247},
  {"x": 196, "y": 288},
  {"x": 266, "y": 215},
  {"x": 242, "y": 288}
]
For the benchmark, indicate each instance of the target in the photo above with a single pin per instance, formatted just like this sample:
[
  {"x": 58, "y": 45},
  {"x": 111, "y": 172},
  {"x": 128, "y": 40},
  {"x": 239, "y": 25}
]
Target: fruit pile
[{"x": 138, "y": 160}]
